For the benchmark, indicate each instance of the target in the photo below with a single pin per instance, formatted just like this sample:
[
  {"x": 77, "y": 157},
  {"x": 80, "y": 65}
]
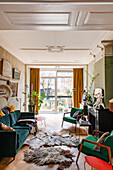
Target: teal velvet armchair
[
  {"x": 87, "y": 145},
  {"x": 70, "y": 118}
]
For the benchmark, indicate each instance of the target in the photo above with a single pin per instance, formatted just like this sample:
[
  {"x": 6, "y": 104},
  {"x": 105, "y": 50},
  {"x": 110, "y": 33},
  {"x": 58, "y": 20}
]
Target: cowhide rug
[
  {"x": 52, "y": 139},
  {"x": 49, "y": 155}
]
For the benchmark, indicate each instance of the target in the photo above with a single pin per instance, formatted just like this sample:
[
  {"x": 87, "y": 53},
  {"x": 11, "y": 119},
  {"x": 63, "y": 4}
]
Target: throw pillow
[
  {"x": 101, "y": 140},
  {"x": 76, "y": 114},
  {"x": 1, "y": 113},
  {"x": 5, "y": 111},
  {"x": 4, "y": 127},
  {"x": 11, "y": 108}
]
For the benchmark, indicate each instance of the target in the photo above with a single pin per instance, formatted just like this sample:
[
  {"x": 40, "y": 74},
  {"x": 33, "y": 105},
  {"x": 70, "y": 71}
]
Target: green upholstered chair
[
  {"x": 70, "y": 118},
  {"x": 87, "y": 145}
]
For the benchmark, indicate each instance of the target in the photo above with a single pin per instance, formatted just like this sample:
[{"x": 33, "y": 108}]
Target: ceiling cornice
[{"x": 58, "y": 1}]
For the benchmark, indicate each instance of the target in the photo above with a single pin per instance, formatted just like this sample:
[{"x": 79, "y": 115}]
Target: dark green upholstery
[
  {"x": 6, "y": 120},
  {"x": 109, "y": 142},
  {"x": 14, "y": 117},
  {"x": 103, "y": 154},
  {"x": 69, "y": 118},
  {"x": 11, "y": 141}
]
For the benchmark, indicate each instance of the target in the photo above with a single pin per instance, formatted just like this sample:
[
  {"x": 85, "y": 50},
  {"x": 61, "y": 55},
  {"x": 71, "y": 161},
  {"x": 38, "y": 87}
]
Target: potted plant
[
  {"x": 34, "y": 98},
  {"x": 60, "y": 108}
]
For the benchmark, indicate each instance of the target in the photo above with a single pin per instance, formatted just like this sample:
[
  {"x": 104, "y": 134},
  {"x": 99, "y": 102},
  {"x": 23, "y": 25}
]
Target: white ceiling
[{"x": 27, "y": 29}]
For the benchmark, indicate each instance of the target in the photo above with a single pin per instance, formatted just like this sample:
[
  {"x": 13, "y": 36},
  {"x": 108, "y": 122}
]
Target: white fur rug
[
  {"x": 52, "y": 139},
  {"x": 49, "y": 155}
]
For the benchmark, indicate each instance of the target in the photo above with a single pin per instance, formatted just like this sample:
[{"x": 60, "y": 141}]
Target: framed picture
[
  {"x": 2, "y": 90},
  {"x": 14, "y": 87},
  {"x": 16, "y": 74},
  {"x": 6, "y": 68}
]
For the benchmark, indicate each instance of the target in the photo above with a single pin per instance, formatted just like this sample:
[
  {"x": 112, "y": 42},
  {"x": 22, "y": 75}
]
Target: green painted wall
[
  {"x": 94, "y": 69},
  {"x": 90, "y": 71},
  {"x": 108, "y": 79},
  {"x": 99, "y": 68}
]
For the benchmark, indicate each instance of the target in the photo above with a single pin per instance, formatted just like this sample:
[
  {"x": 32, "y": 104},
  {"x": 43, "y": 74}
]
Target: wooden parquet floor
[{"x": 53, "y": 123}]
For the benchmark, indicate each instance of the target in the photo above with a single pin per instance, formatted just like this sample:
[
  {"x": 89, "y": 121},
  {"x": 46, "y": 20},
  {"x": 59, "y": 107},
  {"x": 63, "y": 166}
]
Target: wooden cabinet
[{"x": 101, "y": 120}]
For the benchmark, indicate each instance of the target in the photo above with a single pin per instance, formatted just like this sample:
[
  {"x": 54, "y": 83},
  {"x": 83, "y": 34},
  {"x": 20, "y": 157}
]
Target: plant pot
[
  {"x": 60, "y": 110},
  {"x": 32, "y": 108}
]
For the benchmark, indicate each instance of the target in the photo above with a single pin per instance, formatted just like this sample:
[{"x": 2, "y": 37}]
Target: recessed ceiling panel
[
  {"x": 35, "y": 18},
  {"x": 99, "y": 18}
]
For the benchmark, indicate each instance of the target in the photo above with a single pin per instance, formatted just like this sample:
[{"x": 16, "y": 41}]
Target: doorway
[{"x": 57, "y": 86}]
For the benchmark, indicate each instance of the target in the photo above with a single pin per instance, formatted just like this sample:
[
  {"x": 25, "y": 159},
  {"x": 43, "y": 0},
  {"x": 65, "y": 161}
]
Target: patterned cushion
[
  {"x": 76, "y": 114},
  {"x": 5, "y": 111},
  {"x": 101, "y": 140}
]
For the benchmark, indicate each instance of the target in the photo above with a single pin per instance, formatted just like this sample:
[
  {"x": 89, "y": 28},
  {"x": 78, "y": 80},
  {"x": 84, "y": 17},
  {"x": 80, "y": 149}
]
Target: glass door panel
[
  {"x": 64, "y": 93},
  {"x": 47, "y": 86}
]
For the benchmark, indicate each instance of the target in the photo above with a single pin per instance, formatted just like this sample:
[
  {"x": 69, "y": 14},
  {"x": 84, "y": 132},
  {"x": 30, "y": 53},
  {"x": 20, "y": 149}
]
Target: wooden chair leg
[
  {"x": 62, "y": 123},
  {"x": 79, "y": 151}
]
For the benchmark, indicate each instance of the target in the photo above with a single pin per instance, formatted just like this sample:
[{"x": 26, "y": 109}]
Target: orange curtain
[
  {"x": 35, "y": 82},
  {"x": 78, "y": 85}
]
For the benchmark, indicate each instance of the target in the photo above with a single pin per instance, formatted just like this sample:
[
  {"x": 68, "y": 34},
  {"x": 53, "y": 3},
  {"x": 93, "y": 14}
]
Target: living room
[{"x": 56, "y": 38}]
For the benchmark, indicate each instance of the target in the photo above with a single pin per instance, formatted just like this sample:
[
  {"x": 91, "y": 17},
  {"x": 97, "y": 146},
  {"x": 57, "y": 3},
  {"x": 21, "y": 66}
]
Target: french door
[{"x": 58, "y": 90}]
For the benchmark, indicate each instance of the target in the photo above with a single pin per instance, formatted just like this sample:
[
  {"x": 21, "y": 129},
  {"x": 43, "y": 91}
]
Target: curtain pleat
[
  {"x": 35, "y": 82},
  {"x": 78, "y": 85}
]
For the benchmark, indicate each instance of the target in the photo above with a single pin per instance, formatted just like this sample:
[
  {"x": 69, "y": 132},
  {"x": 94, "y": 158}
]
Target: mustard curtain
[
  {"x": 35, "y": 82},
  {"x": 78, "y": 85}
]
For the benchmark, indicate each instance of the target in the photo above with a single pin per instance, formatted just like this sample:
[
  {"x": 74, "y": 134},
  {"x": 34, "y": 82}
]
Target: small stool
[
  {"x": 41, "y": 118},
  {"x": 97, "y": 163}
]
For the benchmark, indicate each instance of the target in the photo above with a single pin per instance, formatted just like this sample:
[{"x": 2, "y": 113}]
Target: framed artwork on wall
[
  {"x": 14, "y": 87},
  {"x": 2, "y": 90},
  {"x": 16, "y": 74},
  {"x": 6, "y": 68}
]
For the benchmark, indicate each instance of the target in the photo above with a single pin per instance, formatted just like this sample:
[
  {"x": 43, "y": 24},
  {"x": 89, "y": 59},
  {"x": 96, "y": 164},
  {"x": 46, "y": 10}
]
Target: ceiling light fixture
[{"x": 55, "y": 49}]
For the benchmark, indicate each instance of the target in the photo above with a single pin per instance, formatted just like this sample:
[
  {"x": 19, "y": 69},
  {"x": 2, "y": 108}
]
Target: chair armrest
[
  {"x": 98, "y": 144},
  {"x": 66, "y": 113},
  {"x": 8, "y": 143},
  {"x": 96, "y": 131},
  {"x": 79, "y": 116},
  {"x": 27, "y": 115}
]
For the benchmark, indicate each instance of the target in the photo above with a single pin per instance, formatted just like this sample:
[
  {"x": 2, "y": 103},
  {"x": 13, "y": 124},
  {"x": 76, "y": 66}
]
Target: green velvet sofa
[{"x": 11, "y": 141}]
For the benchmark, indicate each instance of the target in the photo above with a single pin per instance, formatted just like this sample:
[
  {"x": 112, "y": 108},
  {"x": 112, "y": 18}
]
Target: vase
[{"x": 85, "y": 103}]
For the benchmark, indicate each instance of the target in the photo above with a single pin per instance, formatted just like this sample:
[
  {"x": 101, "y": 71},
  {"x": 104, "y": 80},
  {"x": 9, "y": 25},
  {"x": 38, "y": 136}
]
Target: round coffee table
[
  {"x": 41, "y": 118},
  {"x": 97, "y": 163}
]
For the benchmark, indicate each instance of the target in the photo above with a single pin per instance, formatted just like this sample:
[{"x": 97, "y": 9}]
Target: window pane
[
  {"x": 66, "y": 74},
  {"x": 48, "y": 73},
  {"x": 47, "y": 86},
  {"x": 64, "y": 86},
  {"x": 64, "y": 104}
]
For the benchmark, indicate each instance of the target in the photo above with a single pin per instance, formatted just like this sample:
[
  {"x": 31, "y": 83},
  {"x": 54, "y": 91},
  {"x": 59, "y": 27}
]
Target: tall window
[{"x": 57, "y": 86}]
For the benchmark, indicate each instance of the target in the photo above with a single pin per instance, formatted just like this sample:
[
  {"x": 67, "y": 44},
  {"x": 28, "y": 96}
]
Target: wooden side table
[{"x": 83, "y": 123}]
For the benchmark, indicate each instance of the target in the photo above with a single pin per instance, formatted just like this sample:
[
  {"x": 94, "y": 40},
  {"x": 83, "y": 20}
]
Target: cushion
[
  {"x": 1, "y": 113},
  {"x": 5, "y": 111},
  {"x": 4, "y": 127},
  {"x": 11, "y": 108},
  {"x": 69, "y": 119},
  {"x": 76, "y": 114},
  {"x": 101, "y": 140}
]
